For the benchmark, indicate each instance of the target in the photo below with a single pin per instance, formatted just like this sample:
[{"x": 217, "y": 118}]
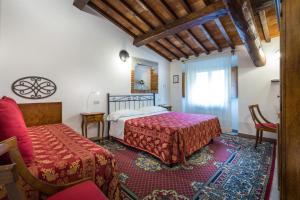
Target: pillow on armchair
[{"x": 12, "y": 124}]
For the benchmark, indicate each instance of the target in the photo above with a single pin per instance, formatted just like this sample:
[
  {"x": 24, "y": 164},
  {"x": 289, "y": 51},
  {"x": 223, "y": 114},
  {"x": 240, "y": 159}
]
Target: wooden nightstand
[
  {"x": 88, "y": 118},
  {"x": 168, "y": 107}
]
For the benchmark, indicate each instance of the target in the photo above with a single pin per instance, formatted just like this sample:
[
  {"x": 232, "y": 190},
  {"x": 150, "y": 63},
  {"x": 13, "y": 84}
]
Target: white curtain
[{"x": 208, "y": 88}]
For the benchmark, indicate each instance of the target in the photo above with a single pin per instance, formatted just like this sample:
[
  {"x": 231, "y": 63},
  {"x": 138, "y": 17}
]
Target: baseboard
[
  {"x": 235, "y": 131},
  {"x": 254, "y": 137}
]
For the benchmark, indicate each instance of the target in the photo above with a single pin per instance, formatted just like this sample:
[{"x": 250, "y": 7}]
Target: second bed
[{"x": 169, "y": 136}]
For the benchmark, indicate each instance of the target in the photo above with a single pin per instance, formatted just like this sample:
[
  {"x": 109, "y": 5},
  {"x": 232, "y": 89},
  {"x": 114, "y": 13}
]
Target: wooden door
[{"x": 290, "y": 106}]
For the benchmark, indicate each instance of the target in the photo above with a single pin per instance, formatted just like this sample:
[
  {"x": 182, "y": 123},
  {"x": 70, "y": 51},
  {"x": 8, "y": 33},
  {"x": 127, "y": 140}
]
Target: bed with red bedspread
[
  {"x": 61, "y": 156},
  {"x": 171, "y": 136}
]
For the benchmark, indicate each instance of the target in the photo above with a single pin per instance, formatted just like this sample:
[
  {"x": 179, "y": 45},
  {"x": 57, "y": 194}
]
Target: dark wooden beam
[
  {"x": 80, "y": 4},
  {"x": 169, "y": 40},
  {"x": 110, "y": 6},
  {"x": 183, "y": 43},
  {"x": 177, "y": 37},
  {"x": 242, "y": 17},
  {"x": 167, "y": 49},
  {"x": 155, "y": 45},
  {"x": 208, "y": 13},
  {"x": 264, "y": 25},
  {"x": 114, "y": 21},
  {"x": 209, "y": 37},
  {"x": 224, "y": 32},
  {"x": 108, "y": 3},
  {"x": 190, "y": 33},
  {"x": 204, "y": 49},
  {"x": 176, "y": 48},
  {"x": 186, "y": 5},
  {"x": 144, "y": 3},
  {"x": 125, "y": 3},
  {"x": 159, "y": 53},
  {"x": 258, "y": 5}
]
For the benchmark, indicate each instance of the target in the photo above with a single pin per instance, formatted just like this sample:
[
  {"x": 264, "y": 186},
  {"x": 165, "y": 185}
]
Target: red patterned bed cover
[
  {"x": 61, "y": 156},
  {"x": 171, "y": 136}
]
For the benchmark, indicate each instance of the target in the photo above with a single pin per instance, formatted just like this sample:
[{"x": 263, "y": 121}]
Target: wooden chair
[
  {"x": 261, "y": 123},
  {"x": 10, "y": 173}
]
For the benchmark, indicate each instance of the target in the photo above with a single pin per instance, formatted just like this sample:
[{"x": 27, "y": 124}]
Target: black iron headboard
[{"x": 131, "y": 101}]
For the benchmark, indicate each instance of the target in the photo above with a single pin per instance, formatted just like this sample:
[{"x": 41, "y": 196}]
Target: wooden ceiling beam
[
  {"x": 258, "y": 5},
  {"x": 183, "y": 54},
  {"x": 184, "y": 44},
  {"x": 108, "y": 3},
  {"x": 137, "y": 27},
  {"x": 114, "y": 21},
  {"x": 159, "y": 46},
  {"x": 158, "y": 52},
  {"x": 224, "y": 32},
  {"x": 242, "y": 17},
  {"x": 186, "y": 5},
  {"x": 208, "y": 13},
  {"x": 199, "y": 43},
  {"x": 177, "y": 37},
  {"x": 143, "y": 2},
  {"x": 209, "y": 37},
  {"x": 125, "y": 3},
  {"x": 80, "y": 4},
  {"x": 264, "y": 25},
  {"x": 162, "y": 43},
  {"x": 190, "y": 33}
]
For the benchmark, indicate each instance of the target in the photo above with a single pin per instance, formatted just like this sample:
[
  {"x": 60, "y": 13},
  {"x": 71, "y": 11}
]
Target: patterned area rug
[{"x": 228, "y": 168}]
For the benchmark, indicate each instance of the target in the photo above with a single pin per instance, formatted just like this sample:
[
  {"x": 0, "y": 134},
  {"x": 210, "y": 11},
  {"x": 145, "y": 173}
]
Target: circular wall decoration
[{"x": 34, "y": 87}]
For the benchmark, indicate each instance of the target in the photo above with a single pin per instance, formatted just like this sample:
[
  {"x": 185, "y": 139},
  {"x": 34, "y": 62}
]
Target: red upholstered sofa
[{"x": 56, "y": 154}]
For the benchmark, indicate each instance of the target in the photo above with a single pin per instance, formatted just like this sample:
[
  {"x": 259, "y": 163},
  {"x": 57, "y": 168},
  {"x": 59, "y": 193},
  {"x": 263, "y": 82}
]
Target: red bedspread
[
  {"x": 61, "y": 156},
  {"x": 171, "y": 136}
]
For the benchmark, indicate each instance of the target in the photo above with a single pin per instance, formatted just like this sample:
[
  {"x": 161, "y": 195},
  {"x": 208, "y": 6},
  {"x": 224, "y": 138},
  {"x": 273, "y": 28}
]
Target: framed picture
[{"x": 175, "y": 78}]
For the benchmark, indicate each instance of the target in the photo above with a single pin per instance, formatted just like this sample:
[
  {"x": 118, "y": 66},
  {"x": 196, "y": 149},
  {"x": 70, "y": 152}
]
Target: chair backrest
[
  {"x": 257, "y": 115},
  {"x": 8, "y": 173}
]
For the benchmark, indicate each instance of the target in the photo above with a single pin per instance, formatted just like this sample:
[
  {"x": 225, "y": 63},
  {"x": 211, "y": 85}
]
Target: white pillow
[
  {"x": 152, "y": 109},
  {"x": 122, "y": 113}
]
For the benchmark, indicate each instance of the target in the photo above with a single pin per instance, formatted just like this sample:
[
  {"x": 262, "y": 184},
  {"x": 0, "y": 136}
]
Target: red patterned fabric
[
  {"x": 269, "y": 125},
  {"x": 61, "y": 156},
  {"x": 12, "y": 124},
  {"x": 85, "y": 190},
  {"x": 171, "y": 136}
]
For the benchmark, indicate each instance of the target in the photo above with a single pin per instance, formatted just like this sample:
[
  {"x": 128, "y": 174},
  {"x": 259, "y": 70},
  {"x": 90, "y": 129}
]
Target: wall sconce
[{"x": 124, "y": 55}]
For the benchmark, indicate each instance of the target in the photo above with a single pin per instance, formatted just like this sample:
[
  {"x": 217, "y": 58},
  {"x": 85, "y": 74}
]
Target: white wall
[
  {"x": 76, "y": 50},
  {"x": 176, "y": 88},
  {"x": 254, "y": 87}
]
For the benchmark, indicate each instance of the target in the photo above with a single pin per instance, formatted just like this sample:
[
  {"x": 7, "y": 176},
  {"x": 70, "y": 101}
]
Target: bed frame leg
[{"x": 211, "y": 141}]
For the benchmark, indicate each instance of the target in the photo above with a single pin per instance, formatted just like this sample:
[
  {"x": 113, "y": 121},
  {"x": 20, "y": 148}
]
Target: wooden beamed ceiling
[{"x": 182, "y": 28}]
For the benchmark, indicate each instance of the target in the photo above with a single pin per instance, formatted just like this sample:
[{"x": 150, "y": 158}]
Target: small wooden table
[
  {"x": 168, "y": 107},
  {"x": 88, "y": 118}
]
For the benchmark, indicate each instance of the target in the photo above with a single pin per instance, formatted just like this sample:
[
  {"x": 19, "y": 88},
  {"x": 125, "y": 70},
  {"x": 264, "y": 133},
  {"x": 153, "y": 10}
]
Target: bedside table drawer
[{"x": 94, "y": 118}]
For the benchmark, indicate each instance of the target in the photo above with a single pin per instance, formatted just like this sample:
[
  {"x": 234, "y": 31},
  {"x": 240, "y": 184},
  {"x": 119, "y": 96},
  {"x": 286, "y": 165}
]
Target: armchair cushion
[
  {"x": 85, "y": 190},
  {"x": 269, "y": 125},
  {"x": 12, "y": 124}
]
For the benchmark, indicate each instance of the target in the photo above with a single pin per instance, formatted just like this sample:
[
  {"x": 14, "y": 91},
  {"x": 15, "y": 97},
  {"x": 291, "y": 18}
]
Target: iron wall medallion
[{"x": 34, "y": 87}]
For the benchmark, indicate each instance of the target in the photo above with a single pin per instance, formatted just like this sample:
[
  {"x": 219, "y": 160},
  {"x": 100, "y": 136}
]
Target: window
[{"x": 209, "y": 89}]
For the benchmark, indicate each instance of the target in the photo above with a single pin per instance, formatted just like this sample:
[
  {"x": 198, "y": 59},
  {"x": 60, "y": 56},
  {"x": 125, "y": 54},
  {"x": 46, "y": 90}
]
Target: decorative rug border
[{"x": 270, "y": 181}]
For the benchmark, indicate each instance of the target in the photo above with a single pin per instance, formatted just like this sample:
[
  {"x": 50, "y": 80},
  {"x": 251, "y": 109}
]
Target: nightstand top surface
[{"x": 91, "y": 113}]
